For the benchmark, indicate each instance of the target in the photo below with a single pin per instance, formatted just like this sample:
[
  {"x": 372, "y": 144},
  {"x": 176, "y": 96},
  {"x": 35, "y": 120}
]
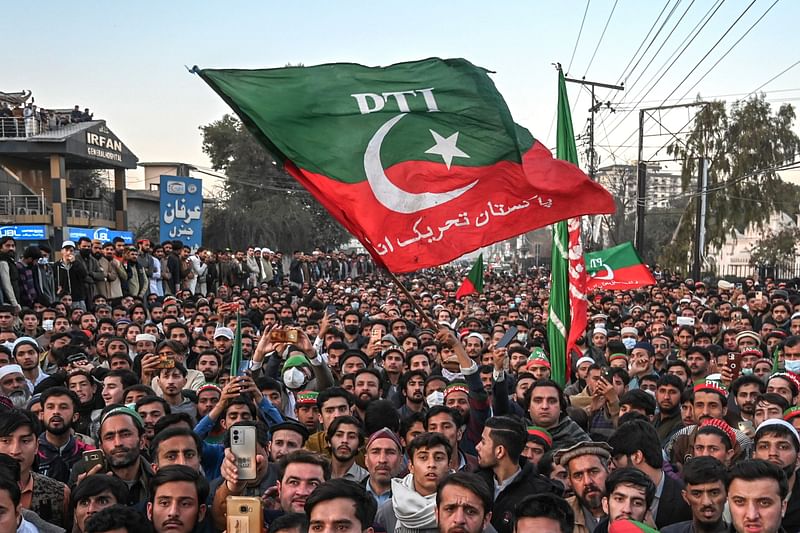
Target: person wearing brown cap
[
  {"x": 587, "y": 469},
  {"x": 384, "y": 460}
]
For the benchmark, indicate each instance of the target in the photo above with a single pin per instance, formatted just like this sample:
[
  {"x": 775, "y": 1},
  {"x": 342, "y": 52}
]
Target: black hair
[
  {"x": 350, "y": 421},
  {"x": 289, "y": 521},
  {"x": 380, "y": 414},
  {"x": 428, "y": 440},
  {"x": 408, "y": 422},
  {"x": 670, "y": 380},
  {"x": 714, "y": 430},
  {"x": 509, "y": 432},
  {"x": 753, "y": 469},
  {"x": 118, "y": 517},
  {"x": 304, "y": 456},
  {"x": 171, "y": 473},
  {"x": 639, "y": 399},
  {"x": 545, "y": 506},
  {"x": 126, "y": 377},
  {"x": 153, "y": 399},
  {"x": 406, "y": 377},
  {"x": 172, "y": 419},
  {"x": 702, "y": 470},
  {"x": 473, "y": 483},
  {"x": 621, "y": 372},
  {"x": 241, "y": 400},
  {"x": 334, "y": 392},
  {"x": 169, "y": 433},
  {"x": 364, "y": 504},
  {"x": 15, "y": 419},
  {"x": 455, "y": 414},
  {"x": 179, "y": 367},
  {"x": 631, "y": 476},
  {"x": 777, "y": 430},
  {"x": 773, "y": 398},
  {"x": 637, "y": 436},
  {"x": 59, "y": 391},
  {"x": 97, "y": 483},
  {"x": 748, "y": 380},
  {"x": 562, "y": 401}
]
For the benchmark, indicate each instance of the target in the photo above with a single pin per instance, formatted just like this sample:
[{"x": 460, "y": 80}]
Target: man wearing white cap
[
  {"x": 26, "y": 352},
  {"x": 597, "y": 350},
  {"x": 71, "y": 276},
  {"x": 14, "y": 386},
  {"x": 778, "y": 442}
]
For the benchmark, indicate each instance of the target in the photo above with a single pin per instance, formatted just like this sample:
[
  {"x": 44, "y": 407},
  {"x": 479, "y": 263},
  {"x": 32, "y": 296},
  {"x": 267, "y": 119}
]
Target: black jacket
[
  {"x": 527, "y": 482},
  {"x": 672, "y": 508}
]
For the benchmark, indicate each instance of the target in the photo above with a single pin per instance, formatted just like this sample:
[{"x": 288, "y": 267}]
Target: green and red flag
[
  {"x": 617, "y": 268},
  {"x": 566, "y": 317},
  {"x": 421, "y": 161},
  {"x": 473, "y": 281}
]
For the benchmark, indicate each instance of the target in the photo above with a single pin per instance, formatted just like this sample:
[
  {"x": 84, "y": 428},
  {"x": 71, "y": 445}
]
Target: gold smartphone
[
  {"x": 244, "y": 514},
  {"x": 243, "y": 447}
]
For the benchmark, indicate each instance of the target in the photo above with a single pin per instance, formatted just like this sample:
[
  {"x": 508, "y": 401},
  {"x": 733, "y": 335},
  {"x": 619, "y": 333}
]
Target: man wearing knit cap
[
  {"x": 747, "y": 339},
  {"x": 587, "y": 470},
  {"x": 26, "y": 353},
  {"x": 539, "y": 442},
  {"x": 14, "y": 386},
  {"x": 384, "y": 460},
  {"x": 778, "y": 442},
  {"x": 306, "y": 411}
]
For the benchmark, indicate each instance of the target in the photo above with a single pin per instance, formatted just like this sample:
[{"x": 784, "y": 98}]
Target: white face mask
[
  {"x": 294, "y": 378},
  {"x": 792, "y": 366},
  {"x": 435, "y": 398},
  {"x": 629, "y": 343}
]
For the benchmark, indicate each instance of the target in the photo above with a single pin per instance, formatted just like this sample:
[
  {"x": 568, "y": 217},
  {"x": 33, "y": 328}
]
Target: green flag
[
  {"x": 558, "y": 318},
  {"x": 236, "y": 352},
  {"x": 473, "y": 282}
]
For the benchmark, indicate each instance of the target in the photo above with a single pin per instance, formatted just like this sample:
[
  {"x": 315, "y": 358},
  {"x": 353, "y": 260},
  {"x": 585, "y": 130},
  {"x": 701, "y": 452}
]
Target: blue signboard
[
  {"x": 25, "y": 233},
  {"x": 101, "y": 234},
  {"x": 181, "y": 211}
]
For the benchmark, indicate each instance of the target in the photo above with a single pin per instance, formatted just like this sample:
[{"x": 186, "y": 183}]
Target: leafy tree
[
  {"x": 745, "y": 144},
  {"x": 776, "y": 248},
  {"x": 260, "y": 204}
]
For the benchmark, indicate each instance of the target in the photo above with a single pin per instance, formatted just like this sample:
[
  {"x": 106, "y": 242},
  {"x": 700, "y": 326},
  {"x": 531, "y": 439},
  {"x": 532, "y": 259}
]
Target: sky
[{"x": 127, "y": 61}]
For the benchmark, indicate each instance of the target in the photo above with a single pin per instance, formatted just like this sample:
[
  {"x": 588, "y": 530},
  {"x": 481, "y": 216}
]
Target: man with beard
[
  {"x": 757, "y": 493},
  {"x": 464, "y": 504},
  {"x": 629, "y": 495},
  {"x": 352, "y": 326},
  {"x": 83, "y": 385},
  {"x": 209, "y": 363},
  {"x": 345, "y": 437},
  {"x": 499, "y": 453},
  {"x": 698, "y": 359},
  {"x": 9, "y": 275},
  {"x": 412, "y": 388},
  {"x": 367, "y": 388},
  {"x": 178, "y": 500},
  {"x": 587, "y": 470},
  {"x": 668, "y": 397},
  {"x": 285, "y": 438},
  {"x": 705, "y": 479},
  {"x": 777, "y": 442},
  {"x": 26, "y": 353},
  {"x": 121, "y": 440},
  {"x": 745, "y": 390},
  {"x": 173, "y": 383},
  {"x": 384, "y": 459},
  {"x": 95, "y": 273},
  {"x": 111, "y": 286},
  {"x": 14, "y": 386},
  {"x": 45, "y": 496},
  {"x": 59, "y": 450}
]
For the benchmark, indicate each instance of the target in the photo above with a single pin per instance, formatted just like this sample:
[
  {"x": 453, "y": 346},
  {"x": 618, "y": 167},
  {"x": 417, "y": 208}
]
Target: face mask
[
  {"x": 355, "y": 305},
  {"x": 522, "y": 337},
  {"x": 518, "y": 300},
  {"x": 85, "y": 253},
  {"x": 629, "y": 343},
  {"x": 747, "y": 371},
  {"x": 435, "y": 398},
  {"x": 294, "y": 378},
  {"x": 47, "y": 325},
  {"x": 351, "y": 329},
  {"x": 792, "y": 366}
]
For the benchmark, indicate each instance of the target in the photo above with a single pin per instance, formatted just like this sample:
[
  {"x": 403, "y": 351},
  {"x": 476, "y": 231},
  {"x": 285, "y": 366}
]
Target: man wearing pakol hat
[
  {"x": 587, "y": 468},
  {"x": 121, "y": 439},
  {"x": 778, "y": 442}
]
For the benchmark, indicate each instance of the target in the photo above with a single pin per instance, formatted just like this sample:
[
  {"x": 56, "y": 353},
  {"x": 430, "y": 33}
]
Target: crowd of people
[
  {"x": 29, "y": 119},
  {"x": 131, "y": 375}
]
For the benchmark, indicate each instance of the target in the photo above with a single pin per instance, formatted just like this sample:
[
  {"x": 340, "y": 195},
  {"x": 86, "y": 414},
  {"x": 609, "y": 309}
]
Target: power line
[
  {"x": 580, "y": 31},
  {"x": 666, "y": 5},
  {"x": 594, "y": 54},
  {"x": 775, "y": 77}
]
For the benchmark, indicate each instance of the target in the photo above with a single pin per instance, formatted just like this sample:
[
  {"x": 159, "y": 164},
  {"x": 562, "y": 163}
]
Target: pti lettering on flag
[
  {"x": 421, "y": 161},
  {"x": 617, "y": 268}
]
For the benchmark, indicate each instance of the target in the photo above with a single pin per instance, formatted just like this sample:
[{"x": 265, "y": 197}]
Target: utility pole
[
  {"x": 641, "y": 174},
  {"x": 700, "y": 219},
  {"x": 592, "y": 110}
]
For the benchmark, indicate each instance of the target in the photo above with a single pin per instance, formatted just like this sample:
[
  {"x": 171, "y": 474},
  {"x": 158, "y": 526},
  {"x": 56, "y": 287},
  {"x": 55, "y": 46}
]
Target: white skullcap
[{"x": 10, "y": 369}]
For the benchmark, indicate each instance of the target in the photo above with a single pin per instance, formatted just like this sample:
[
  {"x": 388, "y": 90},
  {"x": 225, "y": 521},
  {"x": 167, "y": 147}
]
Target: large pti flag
[
  {"x": 421, "y": 161},
  {"x": 566, "y": 317},
  {"x": 616, "y": 268}
]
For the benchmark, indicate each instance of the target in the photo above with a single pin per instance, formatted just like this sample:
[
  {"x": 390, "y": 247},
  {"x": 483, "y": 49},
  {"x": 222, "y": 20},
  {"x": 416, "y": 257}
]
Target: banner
[
  {"x": 181, "y": 210},
  {"x": 101, "y": 234},
  {"x": 25, "y": 233},
  {"x": 617, "y": 268}
]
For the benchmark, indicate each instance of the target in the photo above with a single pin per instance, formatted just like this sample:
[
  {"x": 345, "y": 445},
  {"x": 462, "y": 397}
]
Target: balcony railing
[
  {"x": 20, "y": 205},
  {"x": 13, "y": 127},
  {"x": 91, "y": 209}
]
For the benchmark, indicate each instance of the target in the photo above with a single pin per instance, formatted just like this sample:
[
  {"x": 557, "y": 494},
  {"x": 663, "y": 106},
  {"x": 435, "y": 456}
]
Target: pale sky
[{"x": 126, "y": 61}]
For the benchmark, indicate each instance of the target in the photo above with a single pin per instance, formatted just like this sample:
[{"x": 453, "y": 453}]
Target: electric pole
[{"x": 595, "y": 107}]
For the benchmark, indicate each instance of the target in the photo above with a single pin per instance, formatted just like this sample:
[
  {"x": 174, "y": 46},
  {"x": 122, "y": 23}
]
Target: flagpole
[{"x": 413, "y": 301}]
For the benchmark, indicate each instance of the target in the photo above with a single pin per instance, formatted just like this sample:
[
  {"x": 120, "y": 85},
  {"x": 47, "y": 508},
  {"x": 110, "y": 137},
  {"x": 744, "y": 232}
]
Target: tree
[
  {"x": 745, "y": 145},
  {"x": 260, "y": 204},
  {"x": 776, "y": 248}
]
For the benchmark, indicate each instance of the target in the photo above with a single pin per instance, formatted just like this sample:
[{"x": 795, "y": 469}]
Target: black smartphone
[
  {"x": 510, "y": 335},
  {"x": 331, "y": 310},
  {"x": 606, "y": 374},
  {"x": 78, "y": 357}
]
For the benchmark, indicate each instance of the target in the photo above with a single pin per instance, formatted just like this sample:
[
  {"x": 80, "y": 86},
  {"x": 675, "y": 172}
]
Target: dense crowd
[{"x": 127, "y": 399}]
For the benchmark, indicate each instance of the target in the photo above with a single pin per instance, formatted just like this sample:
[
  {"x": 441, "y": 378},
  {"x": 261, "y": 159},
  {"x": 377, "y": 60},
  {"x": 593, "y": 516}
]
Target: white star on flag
[{"x": 446, "y": 147}]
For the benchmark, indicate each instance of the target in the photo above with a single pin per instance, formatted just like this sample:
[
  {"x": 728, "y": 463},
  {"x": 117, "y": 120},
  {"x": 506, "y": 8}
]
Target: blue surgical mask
[
  {"x": 747, "y": 371},
  {"x": 792, "y": 366},
  {"x": 629, "y": 343},
  {"x": 518, "y": 300}
]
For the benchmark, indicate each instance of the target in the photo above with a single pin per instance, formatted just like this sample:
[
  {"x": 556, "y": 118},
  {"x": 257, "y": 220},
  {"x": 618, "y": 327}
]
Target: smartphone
[
  {"x": 375, "y": 334},
  {"x": 93, "y": 458},
  {"x": 746, "y": 427},
  {"x": 283, "y": 335},
  {"x": 685, "y": 321},
  {"x": 759, "y": 295},
  {"x": 244, "y": 514},
  {"x": 734, "y": 364},
  {"x": 243, "y": 447},
  {"x": 331, "y": 310},
  {"x": 509, "y": 336},
  {"x": 606, "y": 374},
  {"x": 165, "y": 361}
]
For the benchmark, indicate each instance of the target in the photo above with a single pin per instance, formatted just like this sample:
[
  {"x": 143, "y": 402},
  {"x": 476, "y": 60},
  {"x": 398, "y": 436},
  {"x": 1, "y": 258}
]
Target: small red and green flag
[
  {"x": 421, "y": 161},
  {"x": 473, "y": 281},
  {"x": 236, "y": 350},
  {"x": 617, "y": 268}
]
